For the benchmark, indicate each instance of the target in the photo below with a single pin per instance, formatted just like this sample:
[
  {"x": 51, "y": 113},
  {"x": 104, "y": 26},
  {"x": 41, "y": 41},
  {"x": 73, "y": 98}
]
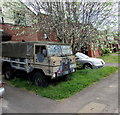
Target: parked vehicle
[
  {"x": 40, "y": 60},
  {"x": 84, "y": 61},
  {"x": 2, "y": 90}
]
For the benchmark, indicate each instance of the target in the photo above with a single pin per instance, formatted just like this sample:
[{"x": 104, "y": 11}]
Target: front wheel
[
  {"x": 87, "y": 66},
  {"x": 39, "y": 79},
  {"x": 8, "y": 73}
]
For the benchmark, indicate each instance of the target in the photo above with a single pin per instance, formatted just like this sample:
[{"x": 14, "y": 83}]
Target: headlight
[
  {"x": 102, "y": 62},
  {"x": 73, "y": 66},
  {"x": 96, "y": 63}
]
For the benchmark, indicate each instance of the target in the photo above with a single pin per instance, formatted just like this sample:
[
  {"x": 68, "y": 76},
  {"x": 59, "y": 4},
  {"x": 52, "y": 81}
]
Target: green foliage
[
  {"x": 78, "y": 65},
  {"x": 35, "y": 21},
  {"x": 76, "y": 82},
  {"x": 105, "y": 50}
]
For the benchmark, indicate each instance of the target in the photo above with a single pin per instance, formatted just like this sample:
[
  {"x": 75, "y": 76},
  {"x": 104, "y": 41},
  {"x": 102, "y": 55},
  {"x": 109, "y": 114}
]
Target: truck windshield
[{"x": 59, "y": 50}]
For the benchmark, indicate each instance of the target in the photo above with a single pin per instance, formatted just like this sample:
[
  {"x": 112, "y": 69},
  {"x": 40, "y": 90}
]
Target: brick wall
[
  {"x": 94, "y": 52},
  {"x": 20, "y": 33}
]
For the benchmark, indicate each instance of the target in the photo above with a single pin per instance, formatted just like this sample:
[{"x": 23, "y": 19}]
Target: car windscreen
[
  {"x": 82, "y": 56},
  {"x": 66, "y": 50},
  {"x": 59, "y": 50}
]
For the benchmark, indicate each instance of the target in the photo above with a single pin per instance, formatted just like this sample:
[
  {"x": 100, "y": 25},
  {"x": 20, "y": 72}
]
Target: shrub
[{"x": 105, "y": 50}]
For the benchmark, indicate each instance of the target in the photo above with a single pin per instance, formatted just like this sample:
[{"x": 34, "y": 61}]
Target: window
[
  {"x": 41, "y": 53},
  {"x": 19, "y": 19},
  {"x": 41, "y": 50}
]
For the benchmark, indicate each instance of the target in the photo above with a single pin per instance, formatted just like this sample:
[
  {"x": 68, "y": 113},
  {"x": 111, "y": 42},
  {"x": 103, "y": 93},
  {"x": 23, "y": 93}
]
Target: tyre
[
  {"x": 39, "y": 79},
  {"x": 8, "y": 73},
  {"x": 87, "y": 66}
]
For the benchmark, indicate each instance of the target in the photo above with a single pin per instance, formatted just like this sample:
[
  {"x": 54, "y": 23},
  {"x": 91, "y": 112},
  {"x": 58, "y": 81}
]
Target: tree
[{"x": 76, "y": 23}]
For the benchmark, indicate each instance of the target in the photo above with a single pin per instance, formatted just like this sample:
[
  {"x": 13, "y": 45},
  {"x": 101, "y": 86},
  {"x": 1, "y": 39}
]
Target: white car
[
  {"x": 85, "y": 61},
  {"x": 2, "y": 90}
]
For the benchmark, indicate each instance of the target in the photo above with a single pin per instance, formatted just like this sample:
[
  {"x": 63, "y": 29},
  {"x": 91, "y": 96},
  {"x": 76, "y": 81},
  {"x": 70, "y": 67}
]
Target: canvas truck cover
[
  {"x": 23, "y": 49},
  {"x": 17, "y": 49}
]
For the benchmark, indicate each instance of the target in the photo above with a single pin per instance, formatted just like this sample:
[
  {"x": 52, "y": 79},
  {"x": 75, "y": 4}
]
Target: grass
[
  {"x": 76, "y": 82},
  {"x": 111, "y": 58},
  {"x": 115, "y": 53}
]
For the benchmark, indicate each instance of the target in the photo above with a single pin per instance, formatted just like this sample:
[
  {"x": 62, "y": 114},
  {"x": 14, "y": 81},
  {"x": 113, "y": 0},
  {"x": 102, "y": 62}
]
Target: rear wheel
[
  {"x": 8, "y": 73},
  {"x": 87, "y": 66},
  {"x": 39, "y": 79}
]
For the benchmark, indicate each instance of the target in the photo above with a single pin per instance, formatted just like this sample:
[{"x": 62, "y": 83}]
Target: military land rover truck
[{"x": 40, "y": 60}]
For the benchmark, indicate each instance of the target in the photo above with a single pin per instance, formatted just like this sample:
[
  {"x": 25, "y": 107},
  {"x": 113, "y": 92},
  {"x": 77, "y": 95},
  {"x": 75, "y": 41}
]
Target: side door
[{"x": 41, "y": 58}]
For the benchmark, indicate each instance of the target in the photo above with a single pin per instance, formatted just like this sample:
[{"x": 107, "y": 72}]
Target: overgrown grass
[
  {"x": 111, "y": 58},
  {"x": 77, "y": 82}
]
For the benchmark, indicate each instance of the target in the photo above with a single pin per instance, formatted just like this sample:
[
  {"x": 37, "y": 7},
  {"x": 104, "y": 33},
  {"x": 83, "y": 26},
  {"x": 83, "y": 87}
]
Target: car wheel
[
  {"x": 8, "y": 73},
  {"x": 39, "y": 79},
  {"x": 87, "y": 66}
]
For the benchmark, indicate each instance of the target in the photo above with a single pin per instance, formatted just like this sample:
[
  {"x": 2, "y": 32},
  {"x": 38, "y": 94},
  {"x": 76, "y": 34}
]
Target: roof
[{"x": 36, "y": 42}]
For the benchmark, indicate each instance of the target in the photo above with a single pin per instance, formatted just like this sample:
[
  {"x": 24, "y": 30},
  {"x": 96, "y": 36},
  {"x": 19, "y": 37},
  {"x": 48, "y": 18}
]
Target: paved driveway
[
  {"x": 21, "y": 101},
  {"x": 112, "y": 64}
]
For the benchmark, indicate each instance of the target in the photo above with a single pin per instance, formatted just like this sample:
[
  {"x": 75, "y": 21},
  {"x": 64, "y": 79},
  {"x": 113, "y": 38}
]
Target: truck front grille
[{"x": 65, "y": 65}]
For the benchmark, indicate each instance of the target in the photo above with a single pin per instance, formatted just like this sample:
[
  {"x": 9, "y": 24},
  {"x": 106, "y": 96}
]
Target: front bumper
[
  {"x": 62, "y": 73},
  {"x": 2, "y": 90},
  {"x": 66, "y": 72},
  {"x": 98, "y": 66}
]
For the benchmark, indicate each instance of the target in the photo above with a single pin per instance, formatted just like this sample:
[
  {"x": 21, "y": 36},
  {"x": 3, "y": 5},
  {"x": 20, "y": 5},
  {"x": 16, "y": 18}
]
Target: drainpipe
[{"x": 1, "y": 30}]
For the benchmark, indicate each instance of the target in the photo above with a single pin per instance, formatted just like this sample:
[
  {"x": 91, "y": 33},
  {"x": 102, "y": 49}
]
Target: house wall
[
  {"x": 20, "y": 33},
  {"x": 29, "y": 35},
  {"x": 51, "y": 36},
  {"x": 8, "y": 18},
  {"x": 93, "y": 52},
  {"x": 12, "y": 30}
]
